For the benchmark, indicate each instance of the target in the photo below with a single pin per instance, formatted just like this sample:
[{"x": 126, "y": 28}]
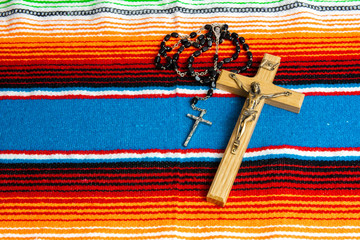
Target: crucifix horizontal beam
[{"x": 258, "y": 90}]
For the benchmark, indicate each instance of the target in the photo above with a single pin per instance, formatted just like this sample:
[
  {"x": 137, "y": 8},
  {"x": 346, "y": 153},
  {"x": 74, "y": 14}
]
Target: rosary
[{"x": 202, "y": 40}]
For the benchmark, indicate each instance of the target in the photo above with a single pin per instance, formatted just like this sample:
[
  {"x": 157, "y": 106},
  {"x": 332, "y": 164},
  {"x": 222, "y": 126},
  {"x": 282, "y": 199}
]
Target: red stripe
[
  {"x": 260, "y": 175},
  {"x": 195, "y": 220},
  {"x": 84, "y": 152},
  {"x": 188, "y": 199},
  {"x": 129, "y": 189},
  {"x": 172, "y": 204}
]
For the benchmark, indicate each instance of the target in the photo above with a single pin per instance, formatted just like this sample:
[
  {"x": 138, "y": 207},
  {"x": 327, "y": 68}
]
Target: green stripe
[{"x": 146, "y": 3}]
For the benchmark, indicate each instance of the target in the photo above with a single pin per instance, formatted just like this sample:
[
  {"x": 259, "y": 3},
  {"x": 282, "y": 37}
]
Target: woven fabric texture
[{"x": 91, "y": 133}]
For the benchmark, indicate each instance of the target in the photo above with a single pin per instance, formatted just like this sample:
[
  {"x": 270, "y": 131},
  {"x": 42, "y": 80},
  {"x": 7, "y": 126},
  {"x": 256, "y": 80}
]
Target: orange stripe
[{"x": 249, "y": 23}]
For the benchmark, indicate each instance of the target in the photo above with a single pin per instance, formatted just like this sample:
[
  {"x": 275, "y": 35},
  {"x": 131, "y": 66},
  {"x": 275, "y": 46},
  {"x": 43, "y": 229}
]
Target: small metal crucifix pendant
[{"x": 197, "y": 121}]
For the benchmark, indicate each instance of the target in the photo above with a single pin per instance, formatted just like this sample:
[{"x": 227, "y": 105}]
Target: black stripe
[
  {"x": 174, "y": 167},
  {"x": 280, "y": 81},
  {"x": 183, "y": 190},
  {"x": 185, "y": 175},
  {"x": 178, "y": 183}
]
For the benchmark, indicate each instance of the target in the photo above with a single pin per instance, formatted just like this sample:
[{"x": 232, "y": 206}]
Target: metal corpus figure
[{"x": 252, "y": 101}]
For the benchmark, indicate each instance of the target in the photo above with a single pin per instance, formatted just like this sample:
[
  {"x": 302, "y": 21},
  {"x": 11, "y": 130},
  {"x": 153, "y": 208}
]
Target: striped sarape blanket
[{"x": 91, "y": 133}]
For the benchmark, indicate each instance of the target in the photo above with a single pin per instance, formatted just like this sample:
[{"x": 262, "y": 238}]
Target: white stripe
[
  {"x": 111, "y": 156},
  {"x": 180, "y": 155},
  {"x": 94, "y": 93},
  {"x": 179, "y": 234},
  {"x": 105, "y": 92},
  {"x": 135, "y": 5},
  {"x": 275, "y": 24},
  {"x": 197, "y": 20},
  {"x": 184, "y": 227},
  {"x": 119, "y": 34},
  {"x": 311, "y": 153}
]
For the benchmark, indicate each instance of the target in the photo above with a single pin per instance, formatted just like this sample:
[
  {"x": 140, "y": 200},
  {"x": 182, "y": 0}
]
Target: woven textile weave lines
[{"x": 91, "y": 133}]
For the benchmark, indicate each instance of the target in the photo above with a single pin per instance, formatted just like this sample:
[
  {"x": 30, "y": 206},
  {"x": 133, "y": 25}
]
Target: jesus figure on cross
[{"x": 249, "y": 113}]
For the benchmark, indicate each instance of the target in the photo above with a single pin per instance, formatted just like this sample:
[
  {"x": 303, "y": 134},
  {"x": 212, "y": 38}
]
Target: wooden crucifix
[{"x": 258, "y": 90}]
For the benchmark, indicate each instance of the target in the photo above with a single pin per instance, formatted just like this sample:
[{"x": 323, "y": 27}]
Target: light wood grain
[{"x": 229, "y": 166}]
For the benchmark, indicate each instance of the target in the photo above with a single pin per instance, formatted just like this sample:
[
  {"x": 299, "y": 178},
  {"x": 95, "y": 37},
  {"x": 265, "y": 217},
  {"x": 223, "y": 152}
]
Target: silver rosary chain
[{"x": 197, "y": 108}]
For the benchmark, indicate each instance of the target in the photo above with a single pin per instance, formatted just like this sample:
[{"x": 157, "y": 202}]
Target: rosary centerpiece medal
[{"x": 208, "y": 36}]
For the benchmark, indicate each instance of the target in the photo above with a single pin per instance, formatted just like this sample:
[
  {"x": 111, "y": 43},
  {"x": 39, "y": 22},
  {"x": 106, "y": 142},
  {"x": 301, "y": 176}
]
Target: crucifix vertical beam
[{"x": 270, "y": 94}]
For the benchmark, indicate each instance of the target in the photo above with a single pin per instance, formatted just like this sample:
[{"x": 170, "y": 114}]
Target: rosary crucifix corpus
[{"x": 258, "y": 90}]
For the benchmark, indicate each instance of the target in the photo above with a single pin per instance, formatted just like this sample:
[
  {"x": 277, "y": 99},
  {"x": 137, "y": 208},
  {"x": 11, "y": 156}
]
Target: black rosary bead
[
  {"x": 184, "y": 40},
  {"x": 196, "y": 53},
  {"x": 246, "y": 47},
  {"x": 157, "y": 59},
  {"x": 209, "y": 42},
  {"x": 181, "y": 49},
  {"x": 194, "y": 101},
  {"x": 208, "y": 27},
  {"x": 191, "y": 59},
  {"x": 225, "y": 27},
  {"x": 243, "y": 69},
  {"x": 175, "y": 35},
  {"x": 222, "y": 35},
  {"x": 175, "y": 65},
  {"x": 227, "y": 35},
  {"x": 167, "y": 37},
  {"x": 216, "y": 57},
  {"x": 242, "y": 40},
  {"x": 168, "y": 49},
  {"x": 162, "y": 44},
  {"x": 204, "y": 49},
  {"x": 249, "y": 55},
  {"x": 201, "y": 37},
  {"x": 235, "y": 56},
  {"x": 248, "y": 64},
  {"x": 234, "y": 35},
  {"x": 236, "y": 42},
  {"x": 220, "y": 64},
  {"x": 196, "y": 44},
  {"x": 187, "y": 44},
  {"x": 209, "y": 34},
  {"x": 162, "y": 51},
  {"x": 169, "y": 62},
  {"x": 227, "y": 60},
  {"x": 213, "y": 85},
  {"x": 193, "y": 34},
  {"x": 191, "y": 71},
  {"x": 206, "y": 80},
  {"x": 237, "y": 49},
  {"x": 176, "y": 56},
  {"x": 202, "y": 41},
  {"x": 210, "y": 92}
]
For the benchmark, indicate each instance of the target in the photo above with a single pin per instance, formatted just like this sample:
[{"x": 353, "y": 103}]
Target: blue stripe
[{"x": 108, "y": 124}]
